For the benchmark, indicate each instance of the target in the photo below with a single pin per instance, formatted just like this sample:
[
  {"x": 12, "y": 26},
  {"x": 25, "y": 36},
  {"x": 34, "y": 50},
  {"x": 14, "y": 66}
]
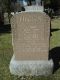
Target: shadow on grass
[
  {"x": 55, "y": 56},
  {"x": 5, "y": 28},
  {"x": 53, "y": 30}
]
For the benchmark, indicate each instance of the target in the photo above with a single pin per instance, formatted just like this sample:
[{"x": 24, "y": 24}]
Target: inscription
[{"x": 30, "y": 36}]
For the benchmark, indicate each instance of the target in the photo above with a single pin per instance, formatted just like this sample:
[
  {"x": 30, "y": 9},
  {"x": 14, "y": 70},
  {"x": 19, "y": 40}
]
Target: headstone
[
  {"x": 31, "y": 34},
  {"x": 6, "y": 19},
  {"x": 34, "y": 8}
]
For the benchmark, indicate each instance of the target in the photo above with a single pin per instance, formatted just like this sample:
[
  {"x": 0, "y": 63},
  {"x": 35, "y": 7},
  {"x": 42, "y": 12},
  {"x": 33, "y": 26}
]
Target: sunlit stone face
[{"x": 31, "y": 36}]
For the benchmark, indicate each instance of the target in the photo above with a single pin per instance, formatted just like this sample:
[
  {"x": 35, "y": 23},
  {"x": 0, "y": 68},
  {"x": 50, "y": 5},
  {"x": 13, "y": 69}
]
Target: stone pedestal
[{"x": 31, "y": 67}]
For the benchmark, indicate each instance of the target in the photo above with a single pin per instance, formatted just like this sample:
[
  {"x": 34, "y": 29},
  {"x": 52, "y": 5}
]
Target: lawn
[{"x": 6, "y": 53}]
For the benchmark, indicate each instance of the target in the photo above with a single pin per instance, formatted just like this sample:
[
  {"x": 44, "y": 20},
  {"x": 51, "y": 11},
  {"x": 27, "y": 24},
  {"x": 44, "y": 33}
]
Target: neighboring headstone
[
  {"x": 38, "y": 2},
  {"x": 6, "y": 19},
  {"x": 34, "y": 8},
  {"x": 31, "y": 34}
]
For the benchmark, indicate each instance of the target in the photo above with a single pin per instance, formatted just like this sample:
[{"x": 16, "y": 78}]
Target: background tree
[
  {"x": 55, "y": 5},
  {"x": 7, "y": 6},
  {"x": 30, "y": 2}
]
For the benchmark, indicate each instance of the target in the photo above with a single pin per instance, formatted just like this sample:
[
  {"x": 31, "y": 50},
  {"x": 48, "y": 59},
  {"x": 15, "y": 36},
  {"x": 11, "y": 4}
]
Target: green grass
[
  {"x": 55, "y": 38},
  {"x": 6, "y": 53}
]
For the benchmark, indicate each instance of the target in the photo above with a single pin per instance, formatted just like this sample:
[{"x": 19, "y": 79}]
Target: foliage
[{"x": 6, "y": 6}]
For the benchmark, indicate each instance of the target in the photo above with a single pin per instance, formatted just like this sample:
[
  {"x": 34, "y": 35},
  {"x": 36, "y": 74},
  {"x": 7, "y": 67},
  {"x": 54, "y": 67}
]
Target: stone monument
[{"x": 30, "y": 40}]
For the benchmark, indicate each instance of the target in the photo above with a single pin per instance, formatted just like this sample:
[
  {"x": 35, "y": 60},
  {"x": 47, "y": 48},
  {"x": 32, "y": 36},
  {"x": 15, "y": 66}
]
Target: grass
[
  {"x": 6, "y": 53},
  {"x": 55, "y": 38}
]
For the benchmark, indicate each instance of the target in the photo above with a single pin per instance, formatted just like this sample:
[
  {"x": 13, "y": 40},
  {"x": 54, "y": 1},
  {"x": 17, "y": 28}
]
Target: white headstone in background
[
  {"x": 38, "y": 2},
  {"x": 34, "y": 8},
  {"x": 6, "y": 19},
  {"x": 24, "y": 3}
]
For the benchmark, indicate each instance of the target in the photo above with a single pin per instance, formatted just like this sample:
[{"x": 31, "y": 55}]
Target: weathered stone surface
[
  {"x": 31, "y": 32},
  {"x": 30, "y": 39}
]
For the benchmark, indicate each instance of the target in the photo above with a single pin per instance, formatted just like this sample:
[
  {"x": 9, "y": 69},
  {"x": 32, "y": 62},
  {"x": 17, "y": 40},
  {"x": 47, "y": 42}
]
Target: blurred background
[{"x": 8, "y": 7}]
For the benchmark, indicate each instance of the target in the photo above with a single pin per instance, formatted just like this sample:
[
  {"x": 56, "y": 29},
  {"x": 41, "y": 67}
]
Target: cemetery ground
[{"x": 6, "y": 52}]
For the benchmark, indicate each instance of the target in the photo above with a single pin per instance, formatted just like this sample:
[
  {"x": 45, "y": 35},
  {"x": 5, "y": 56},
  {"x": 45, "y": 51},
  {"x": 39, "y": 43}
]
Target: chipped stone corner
[{"x": 34, "y": 68}]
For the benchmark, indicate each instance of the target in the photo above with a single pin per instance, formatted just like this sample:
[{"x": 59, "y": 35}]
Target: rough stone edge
[{"x": 34, "y": 68}]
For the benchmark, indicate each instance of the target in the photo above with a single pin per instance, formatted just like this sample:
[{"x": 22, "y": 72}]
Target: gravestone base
[{"x": 31, "y": 67}]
